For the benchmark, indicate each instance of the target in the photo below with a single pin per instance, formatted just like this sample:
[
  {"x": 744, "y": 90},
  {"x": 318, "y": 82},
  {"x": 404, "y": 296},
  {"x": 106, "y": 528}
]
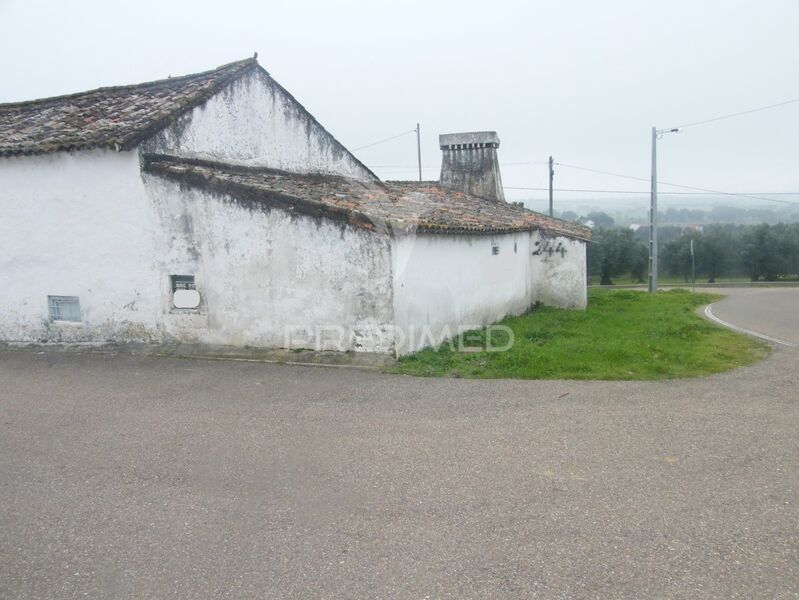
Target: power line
[
  {"x": 560, "y": 164},
  {"x": 402, "y": 166},
  {"x": 502, "y": 165},
  {"x": 394, "y": 137},
  {"x": 738, "y": 114},
  {"x": 753, "y": 195},
  {"x": 747, "y": 193},
  {"x": 543, "y": 189},
  {"x": 687, "y": 187},
  {"x": 691, "y": 187}
]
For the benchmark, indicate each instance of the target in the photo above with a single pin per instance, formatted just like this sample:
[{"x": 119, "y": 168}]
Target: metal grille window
[
  {"x": 182, "y": 282},
  {"x": 64, "y": 308},
  {"x": 184, "y": 292}
]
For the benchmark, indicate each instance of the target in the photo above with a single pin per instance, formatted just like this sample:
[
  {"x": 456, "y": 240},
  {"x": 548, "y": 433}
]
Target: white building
[{"x": 213, "y": 208}]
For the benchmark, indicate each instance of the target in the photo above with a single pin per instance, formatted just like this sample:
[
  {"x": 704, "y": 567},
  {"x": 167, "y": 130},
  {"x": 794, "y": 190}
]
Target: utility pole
[
  {"x": 419, "y": 149},
  {"x": 653, "y": 218},
  {"x": 653, "y": 209},
  {"x": 693, "y": 267},
  {"x": 551, "y": 177}
]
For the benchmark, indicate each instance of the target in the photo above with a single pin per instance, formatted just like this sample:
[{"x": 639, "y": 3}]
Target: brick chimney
[{"x": 470, "y": 163}]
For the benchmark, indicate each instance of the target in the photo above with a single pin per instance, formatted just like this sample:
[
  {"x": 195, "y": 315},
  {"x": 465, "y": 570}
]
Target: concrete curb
[{"x": 309, "y": 358}]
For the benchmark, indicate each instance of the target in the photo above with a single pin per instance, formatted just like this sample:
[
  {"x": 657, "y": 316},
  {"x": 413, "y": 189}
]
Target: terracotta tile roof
[
  {"x": 111, "y": 117},
  {"x": 389, "y": 206}
]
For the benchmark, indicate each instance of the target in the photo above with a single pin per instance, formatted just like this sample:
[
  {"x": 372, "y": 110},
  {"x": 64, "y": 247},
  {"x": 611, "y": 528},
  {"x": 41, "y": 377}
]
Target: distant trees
[
  {"x": 710, "y": 255},
  {"x": 771, "y": 251},
  {"x": 677, "y": 218},
  {"x": 600, "y": 219},
  {"x": 639, "y": 266},
  {"x": 675, "y": 257},
  {"x": 611, "y": 253},
  {"x": 759, "y": 252},
  {"x": 715, "y": 252},
  {"x": 682, "y": 215}
]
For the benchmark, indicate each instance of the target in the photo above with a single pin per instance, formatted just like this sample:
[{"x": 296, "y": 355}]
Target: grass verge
[
  {"x": 670, "y": 280},
  {"x": 622, "y": 335}
]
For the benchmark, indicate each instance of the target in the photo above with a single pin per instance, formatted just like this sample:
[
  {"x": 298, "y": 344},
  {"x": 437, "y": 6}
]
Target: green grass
[
  {"x": 622, "y": 335},
  {"x": 670, "y": 280}
]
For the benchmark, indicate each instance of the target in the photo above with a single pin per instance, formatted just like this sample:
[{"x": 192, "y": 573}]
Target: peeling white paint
[
  {"x": 267, "y": 277},
  {"x": 90, "y": 224},
  {"x": 560, "y": 279},
  {"x": 255, "y": 122}
]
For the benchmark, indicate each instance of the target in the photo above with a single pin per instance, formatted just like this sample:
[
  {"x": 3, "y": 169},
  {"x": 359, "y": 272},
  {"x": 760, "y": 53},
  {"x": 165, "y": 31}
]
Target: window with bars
[
  {"x": 184, "y": 292},
  {"x": 182, "y": 282},
  {"x": 64, "y": 308}
]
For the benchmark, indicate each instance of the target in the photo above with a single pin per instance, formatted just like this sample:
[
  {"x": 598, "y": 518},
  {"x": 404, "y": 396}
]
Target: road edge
[{"x": 708, "y": 311}]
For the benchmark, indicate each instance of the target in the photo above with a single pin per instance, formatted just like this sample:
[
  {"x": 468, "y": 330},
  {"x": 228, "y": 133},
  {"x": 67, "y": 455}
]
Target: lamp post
[{"x": 653, "y": 210}]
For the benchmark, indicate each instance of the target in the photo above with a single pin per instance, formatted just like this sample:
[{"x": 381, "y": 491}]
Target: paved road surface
[
  {"x": 770, "y": 311},
  {"x": 139, "y": 477}
]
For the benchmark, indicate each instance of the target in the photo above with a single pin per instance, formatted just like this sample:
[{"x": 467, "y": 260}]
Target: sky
[{"x": 583, "y": 81}]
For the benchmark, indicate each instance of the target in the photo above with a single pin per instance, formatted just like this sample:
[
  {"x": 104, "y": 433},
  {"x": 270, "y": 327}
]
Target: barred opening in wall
[
  {"x": 64, "y": 308},
  {"x": 184, "y": 292},
  {"x": 182, "y": 282}
]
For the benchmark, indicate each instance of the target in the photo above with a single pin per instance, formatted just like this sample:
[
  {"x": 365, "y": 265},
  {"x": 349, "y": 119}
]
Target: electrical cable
[
  {"x": 384, "y": 141},
  {"x": 660, "y": 193},
  {"x": 738, "y": 114},
  {"x": 687, "y": 187}
]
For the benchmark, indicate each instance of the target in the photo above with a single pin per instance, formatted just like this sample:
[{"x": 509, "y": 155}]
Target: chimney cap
[{"x": 470, "y": 137}]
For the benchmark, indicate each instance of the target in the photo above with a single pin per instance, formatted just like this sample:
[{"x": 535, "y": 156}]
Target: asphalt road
[
  {"x": 770, "y": 311},
  {"x": 140, "y": 477}
]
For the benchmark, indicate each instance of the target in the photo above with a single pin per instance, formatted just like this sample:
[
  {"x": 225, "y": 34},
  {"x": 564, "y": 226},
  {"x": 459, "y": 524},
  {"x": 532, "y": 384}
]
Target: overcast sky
[{"x": 581, "y": 80}]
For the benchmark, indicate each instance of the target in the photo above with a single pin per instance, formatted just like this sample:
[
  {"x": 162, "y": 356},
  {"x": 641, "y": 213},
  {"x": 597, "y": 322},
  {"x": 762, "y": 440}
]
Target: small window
[
  {"x": 184, "y": 292},
  {"x": 64, "y": 308},
  {"x": 494, "y": 249},
  {"x": 182, "y": 282}
]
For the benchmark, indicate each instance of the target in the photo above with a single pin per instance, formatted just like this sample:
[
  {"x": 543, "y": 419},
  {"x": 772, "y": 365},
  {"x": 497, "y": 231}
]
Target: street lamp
[{"x": 653, "y": 209}]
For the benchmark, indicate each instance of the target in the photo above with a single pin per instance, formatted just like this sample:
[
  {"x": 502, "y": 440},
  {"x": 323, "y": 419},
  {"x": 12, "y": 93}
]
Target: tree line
[
  {"x": 758, "y": 252},
  {"x": 693, "y": 216}
]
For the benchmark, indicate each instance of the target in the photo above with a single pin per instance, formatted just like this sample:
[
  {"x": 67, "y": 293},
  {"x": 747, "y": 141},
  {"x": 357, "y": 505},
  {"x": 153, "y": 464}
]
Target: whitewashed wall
[
  {"x": 269, "y": 278},
  {"x": 76, "y": 225},
  {"x": 558, "y": 271},
  {"x": 255, "y": 122},
  {"x": 87, "y": 225},
  {"x": 444, "y": 284}
]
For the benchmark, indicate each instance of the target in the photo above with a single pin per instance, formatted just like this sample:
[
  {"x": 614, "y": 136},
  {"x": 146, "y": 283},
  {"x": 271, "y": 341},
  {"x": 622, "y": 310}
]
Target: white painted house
[{"x": 213, "y": 208}]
